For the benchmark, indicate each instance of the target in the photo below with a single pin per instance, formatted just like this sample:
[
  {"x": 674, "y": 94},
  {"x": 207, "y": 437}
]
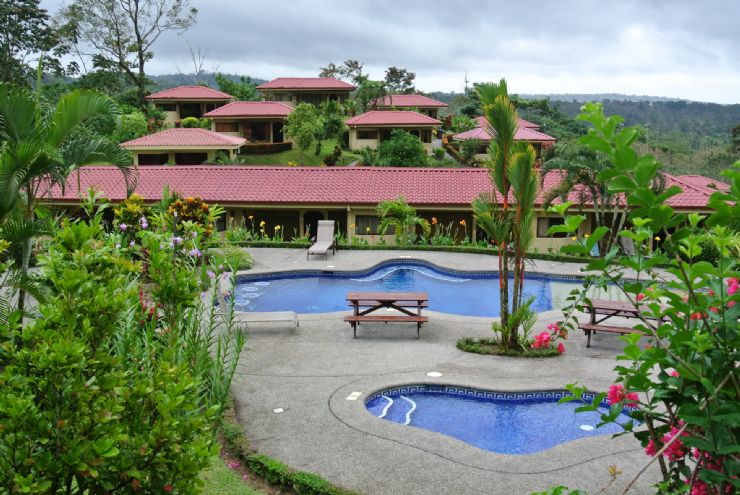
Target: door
[{"x": 277, "y": 132}]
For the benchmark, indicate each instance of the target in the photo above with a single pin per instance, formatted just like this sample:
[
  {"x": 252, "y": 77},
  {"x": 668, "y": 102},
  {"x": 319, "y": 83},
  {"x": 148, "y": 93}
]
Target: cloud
[{"x": 674, "y": 48}]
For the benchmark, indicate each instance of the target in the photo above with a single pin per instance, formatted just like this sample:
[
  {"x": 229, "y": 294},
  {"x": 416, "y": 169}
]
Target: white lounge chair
[{"x": 324, "y": 239}]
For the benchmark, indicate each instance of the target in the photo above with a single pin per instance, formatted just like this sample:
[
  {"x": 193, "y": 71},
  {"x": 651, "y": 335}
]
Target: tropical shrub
[
  {"x": 439, "y": 153},
  {"x": 130, "y": 126},
  {"x": 194, "y": 209},
  {"x": 396, "y": 214},
  {"x": 461, "y": 123},
  {"x": 469, "y": 149},
  {"x": 401, "y": 150},
  {"x": 680, "y": 374},
  {"x": 190, "y": 122},
  {"x": 332, "y": 158}
]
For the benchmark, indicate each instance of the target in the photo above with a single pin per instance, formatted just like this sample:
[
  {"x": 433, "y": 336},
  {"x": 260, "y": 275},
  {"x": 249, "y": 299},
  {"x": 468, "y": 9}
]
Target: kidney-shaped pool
[{"x": 502, "y": 422}]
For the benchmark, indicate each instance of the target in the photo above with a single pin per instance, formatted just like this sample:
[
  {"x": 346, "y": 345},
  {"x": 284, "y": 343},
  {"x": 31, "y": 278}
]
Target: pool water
[
  {"x": 506, "y": 423},
  {"x": 470, "y": 294}
]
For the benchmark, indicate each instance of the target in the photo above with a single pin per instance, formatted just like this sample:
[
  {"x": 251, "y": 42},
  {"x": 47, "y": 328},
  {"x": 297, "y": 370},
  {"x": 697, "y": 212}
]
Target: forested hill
[{"x": 697, "y": 118}]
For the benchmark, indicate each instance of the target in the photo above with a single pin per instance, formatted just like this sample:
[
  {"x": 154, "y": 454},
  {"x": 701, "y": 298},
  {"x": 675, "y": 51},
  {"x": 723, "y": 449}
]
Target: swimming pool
[
  {"x": 455, "y": 292},
  {"x": 502, "y": 422}
]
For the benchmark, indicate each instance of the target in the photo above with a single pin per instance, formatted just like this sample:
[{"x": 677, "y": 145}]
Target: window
[
  {"x": 227, "y": 126},
  {"x": 426, "y": 136},
  {"x": 367, "y": 134},
  {"x": 221, "y": 222},
  {"x": 368, "y": 225},
  {"x": 544, "y": 224},
  {"x": 167, "y": 107}
]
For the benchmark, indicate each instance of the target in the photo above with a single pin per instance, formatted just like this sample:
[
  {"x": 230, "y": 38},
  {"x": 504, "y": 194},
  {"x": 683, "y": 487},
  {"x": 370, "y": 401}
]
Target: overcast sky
[{"x": 678, "y": 48}]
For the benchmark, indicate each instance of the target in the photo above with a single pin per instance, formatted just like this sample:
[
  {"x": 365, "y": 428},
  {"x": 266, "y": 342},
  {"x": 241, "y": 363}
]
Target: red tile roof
[
  {"x": 408, "y": 101},
  {"x": 312, "y": 185},
  {"x": 185, "y": 137},
  {"x": 190, "y": 93},
  {"x": 482, "y": 122},
  {"x": 251, "y": 109},
  {"x": 306, "y": 83},
  {"x": 392, "y": 117},
  {"x": 522, "y": 133}
]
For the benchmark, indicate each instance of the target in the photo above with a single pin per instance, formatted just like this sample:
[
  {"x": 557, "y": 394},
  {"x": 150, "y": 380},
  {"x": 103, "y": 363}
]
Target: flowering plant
[{"x": 683, "y": 385}]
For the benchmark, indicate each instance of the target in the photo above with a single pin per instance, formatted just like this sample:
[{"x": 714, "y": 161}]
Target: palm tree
[
  {"x": 514, "y": 187},
  {"x": 40, "y": 148},
  {"x": 397, "y": 214},
  {"x": 580, "y": 167}
]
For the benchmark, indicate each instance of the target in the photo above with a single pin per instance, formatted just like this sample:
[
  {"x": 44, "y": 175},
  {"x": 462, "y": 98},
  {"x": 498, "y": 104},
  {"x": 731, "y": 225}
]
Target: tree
[
  {"x": 243, "y": 90},
  {"x": 350, "y": 70},
  {"x": 368, "y": 93},
  {"x": 581, "y": 167},
  {"x": 507, "y": 213},
  {"x": 396, "y": 214},
  {"x": 399, "y": 80},
  {"x": 304, "y": 126},
  {"x": 26, "y": 33},
  {"x": 401, "y": 150},
  {"x": 332, "y": 121},
  {"x": 123, "y": 32},
  {"x": 40, "y": 151}
]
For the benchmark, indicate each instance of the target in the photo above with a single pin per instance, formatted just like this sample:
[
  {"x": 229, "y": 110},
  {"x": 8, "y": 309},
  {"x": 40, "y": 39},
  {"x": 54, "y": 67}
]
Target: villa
[
  {"x": 258, "y": 122},
  {"x": 526, "y": 131},
  {"x": 315, "y": 90},
  {"x": 296, "y": 198},
  {"x": 182, "y": 146},
  {"x": 187, "y": 101},
  {"x": 420, "y": 103},
  {"x": 371, "y": 128}
]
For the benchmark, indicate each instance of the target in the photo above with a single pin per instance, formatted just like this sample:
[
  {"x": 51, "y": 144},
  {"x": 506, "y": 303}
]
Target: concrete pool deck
[{"x": 311, "y": 371}]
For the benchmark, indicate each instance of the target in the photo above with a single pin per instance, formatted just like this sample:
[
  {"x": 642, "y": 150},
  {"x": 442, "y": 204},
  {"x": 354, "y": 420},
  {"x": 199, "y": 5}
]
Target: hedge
[{"x": 273, "y": 470}]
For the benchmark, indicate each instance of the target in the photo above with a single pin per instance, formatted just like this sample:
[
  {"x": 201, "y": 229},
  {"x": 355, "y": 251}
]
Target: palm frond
[
  {"x": 73, "y": 109},
  {"x": 17, "y": 113}
]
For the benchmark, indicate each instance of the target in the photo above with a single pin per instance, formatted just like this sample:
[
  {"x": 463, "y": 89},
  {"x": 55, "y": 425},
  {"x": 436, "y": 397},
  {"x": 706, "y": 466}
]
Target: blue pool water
[
  {"x": 507, "y": 423},
  {"x": 470, "y": 294}
]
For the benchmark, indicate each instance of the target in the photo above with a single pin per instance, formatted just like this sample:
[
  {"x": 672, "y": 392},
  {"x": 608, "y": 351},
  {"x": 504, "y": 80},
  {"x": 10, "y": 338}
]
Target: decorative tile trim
[
  {"x": 244, "y": 278},
  {"x": 479, "y": 393}
]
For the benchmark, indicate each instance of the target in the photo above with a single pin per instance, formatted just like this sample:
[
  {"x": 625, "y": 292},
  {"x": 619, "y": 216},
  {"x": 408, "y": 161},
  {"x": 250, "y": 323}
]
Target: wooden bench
[
  {"x": 589, "y": 328},
  {"x": 356, "y": 320}
]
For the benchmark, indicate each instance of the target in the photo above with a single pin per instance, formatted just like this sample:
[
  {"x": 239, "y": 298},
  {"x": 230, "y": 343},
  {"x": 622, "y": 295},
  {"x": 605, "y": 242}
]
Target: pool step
[{"x": 401, "y": 410}]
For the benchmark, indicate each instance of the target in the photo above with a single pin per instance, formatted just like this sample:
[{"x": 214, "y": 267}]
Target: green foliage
[
  {"x": 349, "y": 69},
  {"x": 131, "y": 126},
  {"x": 399, "y": 80},
  {"x": 333, "y": 157},
  {"x": 27, "y": 31},
  {"x": 439, "y": 153},
  {"x": 470, "y": 148},
  {"x": 242, "y": 90},
  {"x": 493, "y": 347},
  {"x": 114, "y": 426},
  {"x": 685, "y": 379},
  {"x": 461, "y": 123},
  {"x": 396, "y": 214},
  {"x": 508, "y": 222},
  {"x": 303, "y": 125},
  {"x": 368, "y": 93},
  {"x": 401, "y": 150},
  {"x": 190, "y": 122}
]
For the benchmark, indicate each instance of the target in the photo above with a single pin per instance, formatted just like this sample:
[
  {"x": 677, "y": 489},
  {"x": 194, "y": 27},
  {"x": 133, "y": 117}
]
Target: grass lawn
[
  {"x": 294, "y": 155},
  {"x": 220, "y": 480}
]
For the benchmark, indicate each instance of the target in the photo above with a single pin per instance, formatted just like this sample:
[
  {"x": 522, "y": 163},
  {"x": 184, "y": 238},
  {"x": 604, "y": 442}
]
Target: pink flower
[
  {"x": 233, "y": 464},
  {"x": 553, "y": 327},
  {"x": 541, "y": 340},
  {"x": 651, "y": 449},
  {"x": 211, "y": 275},
  {"x": 640, "y": 297},
  {"x": 561, "y": 347},
  {"x": 674, "y": 373},
  {"x": 631, "y": 399},
  {"x": 123, "y": 227},
  {"x": 245, "y": 477},
  {"x": 677, "y": 450}
]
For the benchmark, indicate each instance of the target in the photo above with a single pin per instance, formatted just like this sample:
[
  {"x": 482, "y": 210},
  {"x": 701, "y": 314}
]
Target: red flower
[
  {"x": 167, "y": 488},
  {"x": 640, "y": 297},
  {"x": 651, "y": 449},
  {"x": 561, "y": 348}
]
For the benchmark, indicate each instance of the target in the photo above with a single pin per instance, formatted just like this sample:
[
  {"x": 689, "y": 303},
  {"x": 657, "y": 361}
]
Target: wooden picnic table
[
  {"x": 408, "y": 304},
  {"x": 608, "y": 309}
]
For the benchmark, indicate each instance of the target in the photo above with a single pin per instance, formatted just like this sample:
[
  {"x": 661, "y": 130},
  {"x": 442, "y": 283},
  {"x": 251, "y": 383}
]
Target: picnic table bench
[
  {"x": 609, "y": 309},
  {"x": 366, "y": 304}
]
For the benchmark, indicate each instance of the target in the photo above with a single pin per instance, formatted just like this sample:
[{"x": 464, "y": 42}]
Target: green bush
[
  {"x": 439, "y": 153},
  {"x": 130, "y": 126},
  {"x": 204, "y": 123},
  {"x": 310, "y": 484},
  {"x": 190, "y": 122},
  {"x": 270, "y": 469},
  {"x": 401, "y": 150}
]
